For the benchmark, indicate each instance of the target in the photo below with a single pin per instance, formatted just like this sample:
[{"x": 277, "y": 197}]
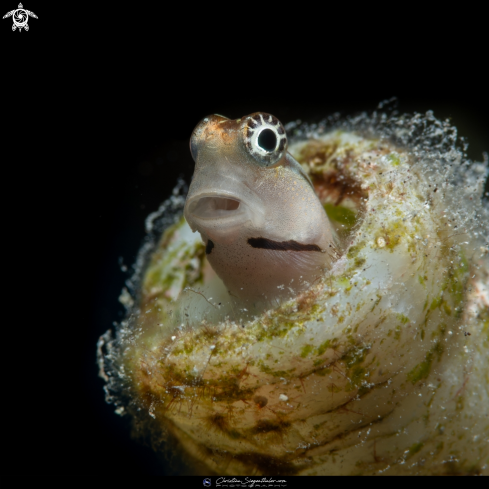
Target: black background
[{"x": 98, "y": 106}]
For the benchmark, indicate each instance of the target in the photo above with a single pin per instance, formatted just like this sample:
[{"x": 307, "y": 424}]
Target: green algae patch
[
  {"x": 306, "y": 350},
  {"x": 436, "y": 303},
  {"x": 456, "y": 286},
  {"x": 394, "y": 235},
  {"x": 323, "y": 371},
  {"x": 403, "y": 319},
  {"x": 354, "y": 250},
  {"x": 344, "y": 282},
  {"x": 275, "y": 373},
  {"x": 397, "y": 333},
  {"x": 423, "y": 369},
  {"x": 415, "y": 448},
  {"x": 439, "y": 331},
  {"x": 394, "y": 159},
  {"x": 356, "y": 372},
  {"x": 359, "y": 261},
  {"x": 376, "y": 302},
  {"x": 341, "y": 214},
  {"x": 323, "y": 347}
]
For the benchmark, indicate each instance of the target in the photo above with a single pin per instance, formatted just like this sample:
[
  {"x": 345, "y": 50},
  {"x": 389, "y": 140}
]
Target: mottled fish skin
[{"x": 266, "y": 233}]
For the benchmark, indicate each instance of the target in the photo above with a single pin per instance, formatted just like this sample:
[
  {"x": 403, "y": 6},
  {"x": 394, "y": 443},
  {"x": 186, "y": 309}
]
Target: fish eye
[{"x": 265, "y": 138}]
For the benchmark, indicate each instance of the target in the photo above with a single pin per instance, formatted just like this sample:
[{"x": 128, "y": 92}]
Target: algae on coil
[{"x": 379, "y": 366}]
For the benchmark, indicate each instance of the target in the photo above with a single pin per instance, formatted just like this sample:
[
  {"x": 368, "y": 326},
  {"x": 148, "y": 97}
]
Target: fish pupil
[{"x": 267, "y": 140}]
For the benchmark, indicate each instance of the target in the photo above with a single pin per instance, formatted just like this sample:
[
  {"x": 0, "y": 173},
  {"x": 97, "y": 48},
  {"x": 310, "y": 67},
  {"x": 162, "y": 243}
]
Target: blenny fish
[{"x": 266, "y": 233}]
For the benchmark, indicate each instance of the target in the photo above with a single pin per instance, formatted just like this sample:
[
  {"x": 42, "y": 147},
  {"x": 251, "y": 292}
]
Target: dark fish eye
[{"x": 265, "y": 138}]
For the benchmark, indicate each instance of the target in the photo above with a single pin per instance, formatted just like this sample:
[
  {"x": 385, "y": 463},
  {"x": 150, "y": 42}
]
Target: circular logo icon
[
  {"x": 20, "y": 18},
  {"x": 207, "y": 482}
]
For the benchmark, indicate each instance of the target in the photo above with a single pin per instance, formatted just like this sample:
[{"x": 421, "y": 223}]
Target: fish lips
[{"x": 221, "y": 215}]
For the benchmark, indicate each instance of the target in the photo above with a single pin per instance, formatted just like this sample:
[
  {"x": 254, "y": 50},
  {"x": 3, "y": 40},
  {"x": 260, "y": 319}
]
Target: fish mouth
[
  {"x": 222, "y": 214},
  {"x": 215, "y": 206}
]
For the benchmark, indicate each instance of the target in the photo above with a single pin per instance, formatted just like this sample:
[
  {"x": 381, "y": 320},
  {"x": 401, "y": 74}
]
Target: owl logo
[{"x": 20, "y": 16}]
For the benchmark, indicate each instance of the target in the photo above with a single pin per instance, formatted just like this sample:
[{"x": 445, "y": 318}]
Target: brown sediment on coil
[
  {"x": 334, "y": 186},
  {"x": 327, "y": 170}
]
